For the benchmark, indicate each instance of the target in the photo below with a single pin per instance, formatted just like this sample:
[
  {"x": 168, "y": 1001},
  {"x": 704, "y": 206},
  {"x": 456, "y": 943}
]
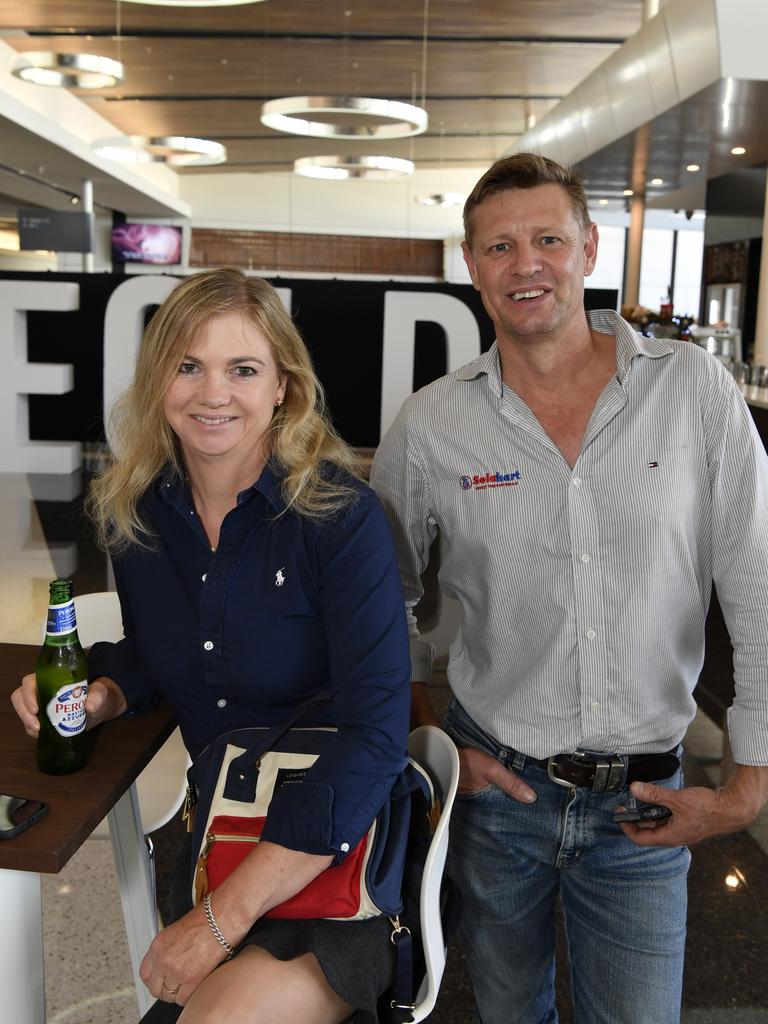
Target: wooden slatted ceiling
[
  {"x": 205, "y": 72},
  {"x": 281, "y": 67},
  {"x": 615, "y": 19}
]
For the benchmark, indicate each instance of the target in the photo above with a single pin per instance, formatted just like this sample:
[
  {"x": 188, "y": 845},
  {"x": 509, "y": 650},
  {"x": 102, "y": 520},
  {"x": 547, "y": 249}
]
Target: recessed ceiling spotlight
[
  {"x": 692, "y": 168},
  {"x": 657, "y": 181},
  {"x": 738, "y": 151},
  {"x": 628, "y": 192},
  {"x": 603, "y": 202}
]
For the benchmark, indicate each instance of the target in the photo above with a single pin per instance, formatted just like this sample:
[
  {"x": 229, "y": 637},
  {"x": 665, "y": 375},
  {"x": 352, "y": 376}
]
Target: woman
[{"x": 253, "y": 570}]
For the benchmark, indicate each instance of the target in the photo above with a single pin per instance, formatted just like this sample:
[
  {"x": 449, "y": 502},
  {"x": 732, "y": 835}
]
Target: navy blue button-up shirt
[{"x": 284, "y": 607}]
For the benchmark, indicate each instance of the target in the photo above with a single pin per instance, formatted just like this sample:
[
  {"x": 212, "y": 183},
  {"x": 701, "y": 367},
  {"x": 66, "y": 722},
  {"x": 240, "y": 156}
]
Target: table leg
[
  {"x": 21, "y": 948},
  {"x": 136, "y": 883}
]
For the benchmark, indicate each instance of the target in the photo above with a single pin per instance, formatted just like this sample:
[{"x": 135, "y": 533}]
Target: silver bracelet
[{"x": 214, "y": 927}]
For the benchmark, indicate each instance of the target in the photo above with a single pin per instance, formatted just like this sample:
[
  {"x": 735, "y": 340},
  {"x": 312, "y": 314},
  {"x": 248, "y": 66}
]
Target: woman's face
[{"x": 221, "y": 402}]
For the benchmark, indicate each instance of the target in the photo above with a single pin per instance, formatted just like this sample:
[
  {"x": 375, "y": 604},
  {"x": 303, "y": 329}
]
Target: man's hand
[
  {"x": 180, "y": 957},
  {"x": 698, "y": 812},
  {"x": 479, "y": 770},
  {"x": 105, "y": 700}
]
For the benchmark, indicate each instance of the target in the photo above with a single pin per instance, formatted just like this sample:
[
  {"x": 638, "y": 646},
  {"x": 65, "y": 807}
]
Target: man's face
[{"x": 528, "y": 259}]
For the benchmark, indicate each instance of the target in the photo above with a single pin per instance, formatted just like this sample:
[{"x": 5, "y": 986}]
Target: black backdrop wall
[{"x": 340, "y": 320}]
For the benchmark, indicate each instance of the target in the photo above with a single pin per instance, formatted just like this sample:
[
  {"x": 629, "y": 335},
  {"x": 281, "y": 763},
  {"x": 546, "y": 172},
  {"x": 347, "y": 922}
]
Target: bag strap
[
  {"x": 241, "y": 776},
  {"x": 401, "y": 1003}
]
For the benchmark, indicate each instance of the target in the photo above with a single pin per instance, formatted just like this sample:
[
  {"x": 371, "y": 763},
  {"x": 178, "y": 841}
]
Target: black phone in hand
[{"x": 644, "y": 812}]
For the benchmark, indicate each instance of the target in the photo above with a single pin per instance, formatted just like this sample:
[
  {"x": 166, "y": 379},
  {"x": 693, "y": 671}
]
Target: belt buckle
[
  {"x": 608, "y": 770},
  {"x": 552, "y": 765}
]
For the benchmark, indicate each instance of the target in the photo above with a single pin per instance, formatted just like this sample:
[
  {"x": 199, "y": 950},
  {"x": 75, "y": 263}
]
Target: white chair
[
  {"x": 151, "y": 801},
  {"x": 162, "y": 784},
  {"x": 435, "y": 750}
]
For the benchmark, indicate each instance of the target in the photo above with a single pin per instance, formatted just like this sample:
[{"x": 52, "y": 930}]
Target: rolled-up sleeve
[{"x": 368, "y": 667}]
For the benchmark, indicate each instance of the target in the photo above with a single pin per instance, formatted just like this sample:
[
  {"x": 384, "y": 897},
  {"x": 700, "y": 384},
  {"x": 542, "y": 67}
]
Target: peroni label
[
  {"x": 66, "y": 709},
  {"x": 61, "y": 619}
]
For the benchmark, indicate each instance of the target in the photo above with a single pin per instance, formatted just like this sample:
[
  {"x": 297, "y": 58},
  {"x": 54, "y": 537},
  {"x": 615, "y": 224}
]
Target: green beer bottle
[{"x": 62, "y": 684}]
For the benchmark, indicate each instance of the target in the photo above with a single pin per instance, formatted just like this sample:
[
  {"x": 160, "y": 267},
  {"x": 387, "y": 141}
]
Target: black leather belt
[{"x": 607, "y": 773}]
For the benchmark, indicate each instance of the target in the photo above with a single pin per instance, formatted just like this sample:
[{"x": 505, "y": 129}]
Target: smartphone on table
[{"x": 17, "y": 813}]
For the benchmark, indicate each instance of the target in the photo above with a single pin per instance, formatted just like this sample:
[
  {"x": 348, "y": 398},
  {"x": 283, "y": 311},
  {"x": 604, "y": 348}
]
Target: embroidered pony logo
[{"x": 279, "y": 578}]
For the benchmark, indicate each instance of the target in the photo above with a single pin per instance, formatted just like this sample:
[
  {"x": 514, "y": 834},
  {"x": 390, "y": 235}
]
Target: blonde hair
[{"x": 301, "y": 436}]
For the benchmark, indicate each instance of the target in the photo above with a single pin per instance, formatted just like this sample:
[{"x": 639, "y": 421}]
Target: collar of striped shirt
[{"x": 629, "y": 344}]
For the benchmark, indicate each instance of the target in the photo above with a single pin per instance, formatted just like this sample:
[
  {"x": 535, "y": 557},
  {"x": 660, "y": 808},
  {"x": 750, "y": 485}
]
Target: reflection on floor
[{"x": 88, "y": 975}]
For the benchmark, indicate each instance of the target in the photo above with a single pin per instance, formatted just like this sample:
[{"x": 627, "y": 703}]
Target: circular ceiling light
[
  {"x": 339, "y": 168},
  {"x": 174, "y": 150},
  {"x": 194, "y": 3},
  {"x": 657, "y": 181},
  {"x": 377, "y": 119},
  {"x": 692, "y": 168},
  {"x": 603, "y": 202},
  {"x": 68, "y": 70},
  {"x": 738, "y": 151},
  {"x": 442, "y": 199},
  {"x": 627, "y": 192}
]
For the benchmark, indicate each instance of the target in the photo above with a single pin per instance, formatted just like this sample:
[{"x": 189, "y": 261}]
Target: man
[{"x": 588, "y": 485}]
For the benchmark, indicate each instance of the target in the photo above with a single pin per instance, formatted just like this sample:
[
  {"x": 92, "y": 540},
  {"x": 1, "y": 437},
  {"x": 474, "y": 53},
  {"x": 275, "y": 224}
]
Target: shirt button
[
  {"x": 344, "y": 847},
  {"x": 221, "y": 703},
  {"x": 591, "y": 634},
  {"x": 205, "y": 577},
  {"x": 577, "y": 481},
  {"x": 208, "y": 645},
  {"x": 595, "y": 705},
  {"x": 191, "y": 511},
  {"x": 585, "y": 557}
]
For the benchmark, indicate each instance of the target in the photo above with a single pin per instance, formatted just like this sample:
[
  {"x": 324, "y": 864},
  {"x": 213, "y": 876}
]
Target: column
[
  {"x": 631, "y": 291},
  {"x": 761, "y": 326},
  {"x": 88, "y": 208}
]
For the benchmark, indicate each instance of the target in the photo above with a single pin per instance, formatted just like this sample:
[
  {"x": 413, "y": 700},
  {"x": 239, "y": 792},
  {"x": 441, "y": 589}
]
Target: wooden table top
[{"x": 77, "y": 802}]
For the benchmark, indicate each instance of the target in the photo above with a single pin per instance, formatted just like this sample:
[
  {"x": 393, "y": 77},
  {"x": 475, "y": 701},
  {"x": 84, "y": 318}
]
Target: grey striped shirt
[{"x": 584, "y": 592}]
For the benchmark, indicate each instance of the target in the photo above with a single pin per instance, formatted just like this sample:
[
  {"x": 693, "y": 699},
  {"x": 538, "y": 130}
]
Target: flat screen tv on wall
[{"x": 146, "y": 243}]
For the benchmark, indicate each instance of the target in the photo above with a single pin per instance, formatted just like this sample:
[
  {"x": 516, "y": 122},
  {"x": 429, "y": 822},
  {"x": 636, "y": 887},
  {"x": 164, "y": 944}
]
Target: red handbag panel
[{"x": 334, "y": 893}]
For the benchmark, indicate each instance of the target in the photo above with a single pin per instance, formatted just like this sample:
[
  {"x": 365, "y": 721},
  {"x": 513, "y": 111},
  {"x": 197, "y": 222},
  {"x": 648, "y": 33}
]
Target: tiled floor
[{"x": 88, "y": 976}]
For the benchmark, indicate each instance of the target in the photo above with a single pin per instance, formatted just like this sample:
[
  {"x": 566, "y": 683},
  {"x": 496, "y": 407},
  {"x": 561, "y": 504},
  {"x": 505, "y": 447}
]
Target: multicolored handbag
[{"x": 230, "y": 787}]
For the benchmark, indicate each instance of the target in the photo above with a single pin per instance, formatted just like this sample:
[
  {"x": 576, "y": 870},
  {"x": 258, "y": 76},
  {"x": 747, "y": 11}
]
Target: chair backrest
[
  {"x": 98, "y": 617},
  {"x": 437, "y": 752}
]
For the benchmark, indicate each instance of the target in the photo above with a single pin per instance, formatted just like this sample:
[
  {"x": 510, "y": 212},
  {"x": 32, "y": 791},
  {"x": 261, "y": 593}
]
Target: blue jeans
[{"x": 624, "y": 905}]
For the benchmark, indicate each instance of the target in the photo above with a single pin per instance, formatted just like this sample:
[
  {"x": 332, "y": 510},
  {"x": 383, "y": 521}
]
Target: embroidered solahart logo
[{"x": 487, "y": 480}]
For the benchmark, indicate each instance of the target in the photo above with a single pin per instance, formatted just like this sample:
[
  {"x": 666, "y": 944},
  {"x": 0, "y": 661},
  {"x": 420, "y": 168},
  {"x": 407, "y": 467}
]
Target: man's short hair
[{"x": 527, "y": 170}]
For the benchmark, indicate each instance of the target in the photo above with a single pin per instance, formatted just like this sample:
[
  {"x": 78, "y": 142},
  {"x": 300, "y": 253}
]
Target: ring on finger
[{"x": 170, "y": 991}]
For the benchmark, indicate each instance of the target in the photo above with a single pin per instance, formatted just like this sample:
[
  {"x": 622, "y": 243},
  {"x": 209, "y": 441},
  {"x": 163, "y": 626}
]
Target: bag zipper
[{"x": 201, "y": 868}]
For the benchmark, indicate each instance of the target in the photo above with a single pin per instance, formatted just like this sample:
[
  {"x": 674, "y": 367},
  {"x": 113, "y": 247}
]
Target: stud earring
[{"x": 279, "y": 402}]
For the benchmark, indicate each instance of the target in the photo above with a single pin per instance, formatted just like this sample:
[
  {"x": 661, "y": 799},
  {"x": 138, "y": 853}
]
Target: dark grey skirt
[{"x": 356, "y": 957}]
